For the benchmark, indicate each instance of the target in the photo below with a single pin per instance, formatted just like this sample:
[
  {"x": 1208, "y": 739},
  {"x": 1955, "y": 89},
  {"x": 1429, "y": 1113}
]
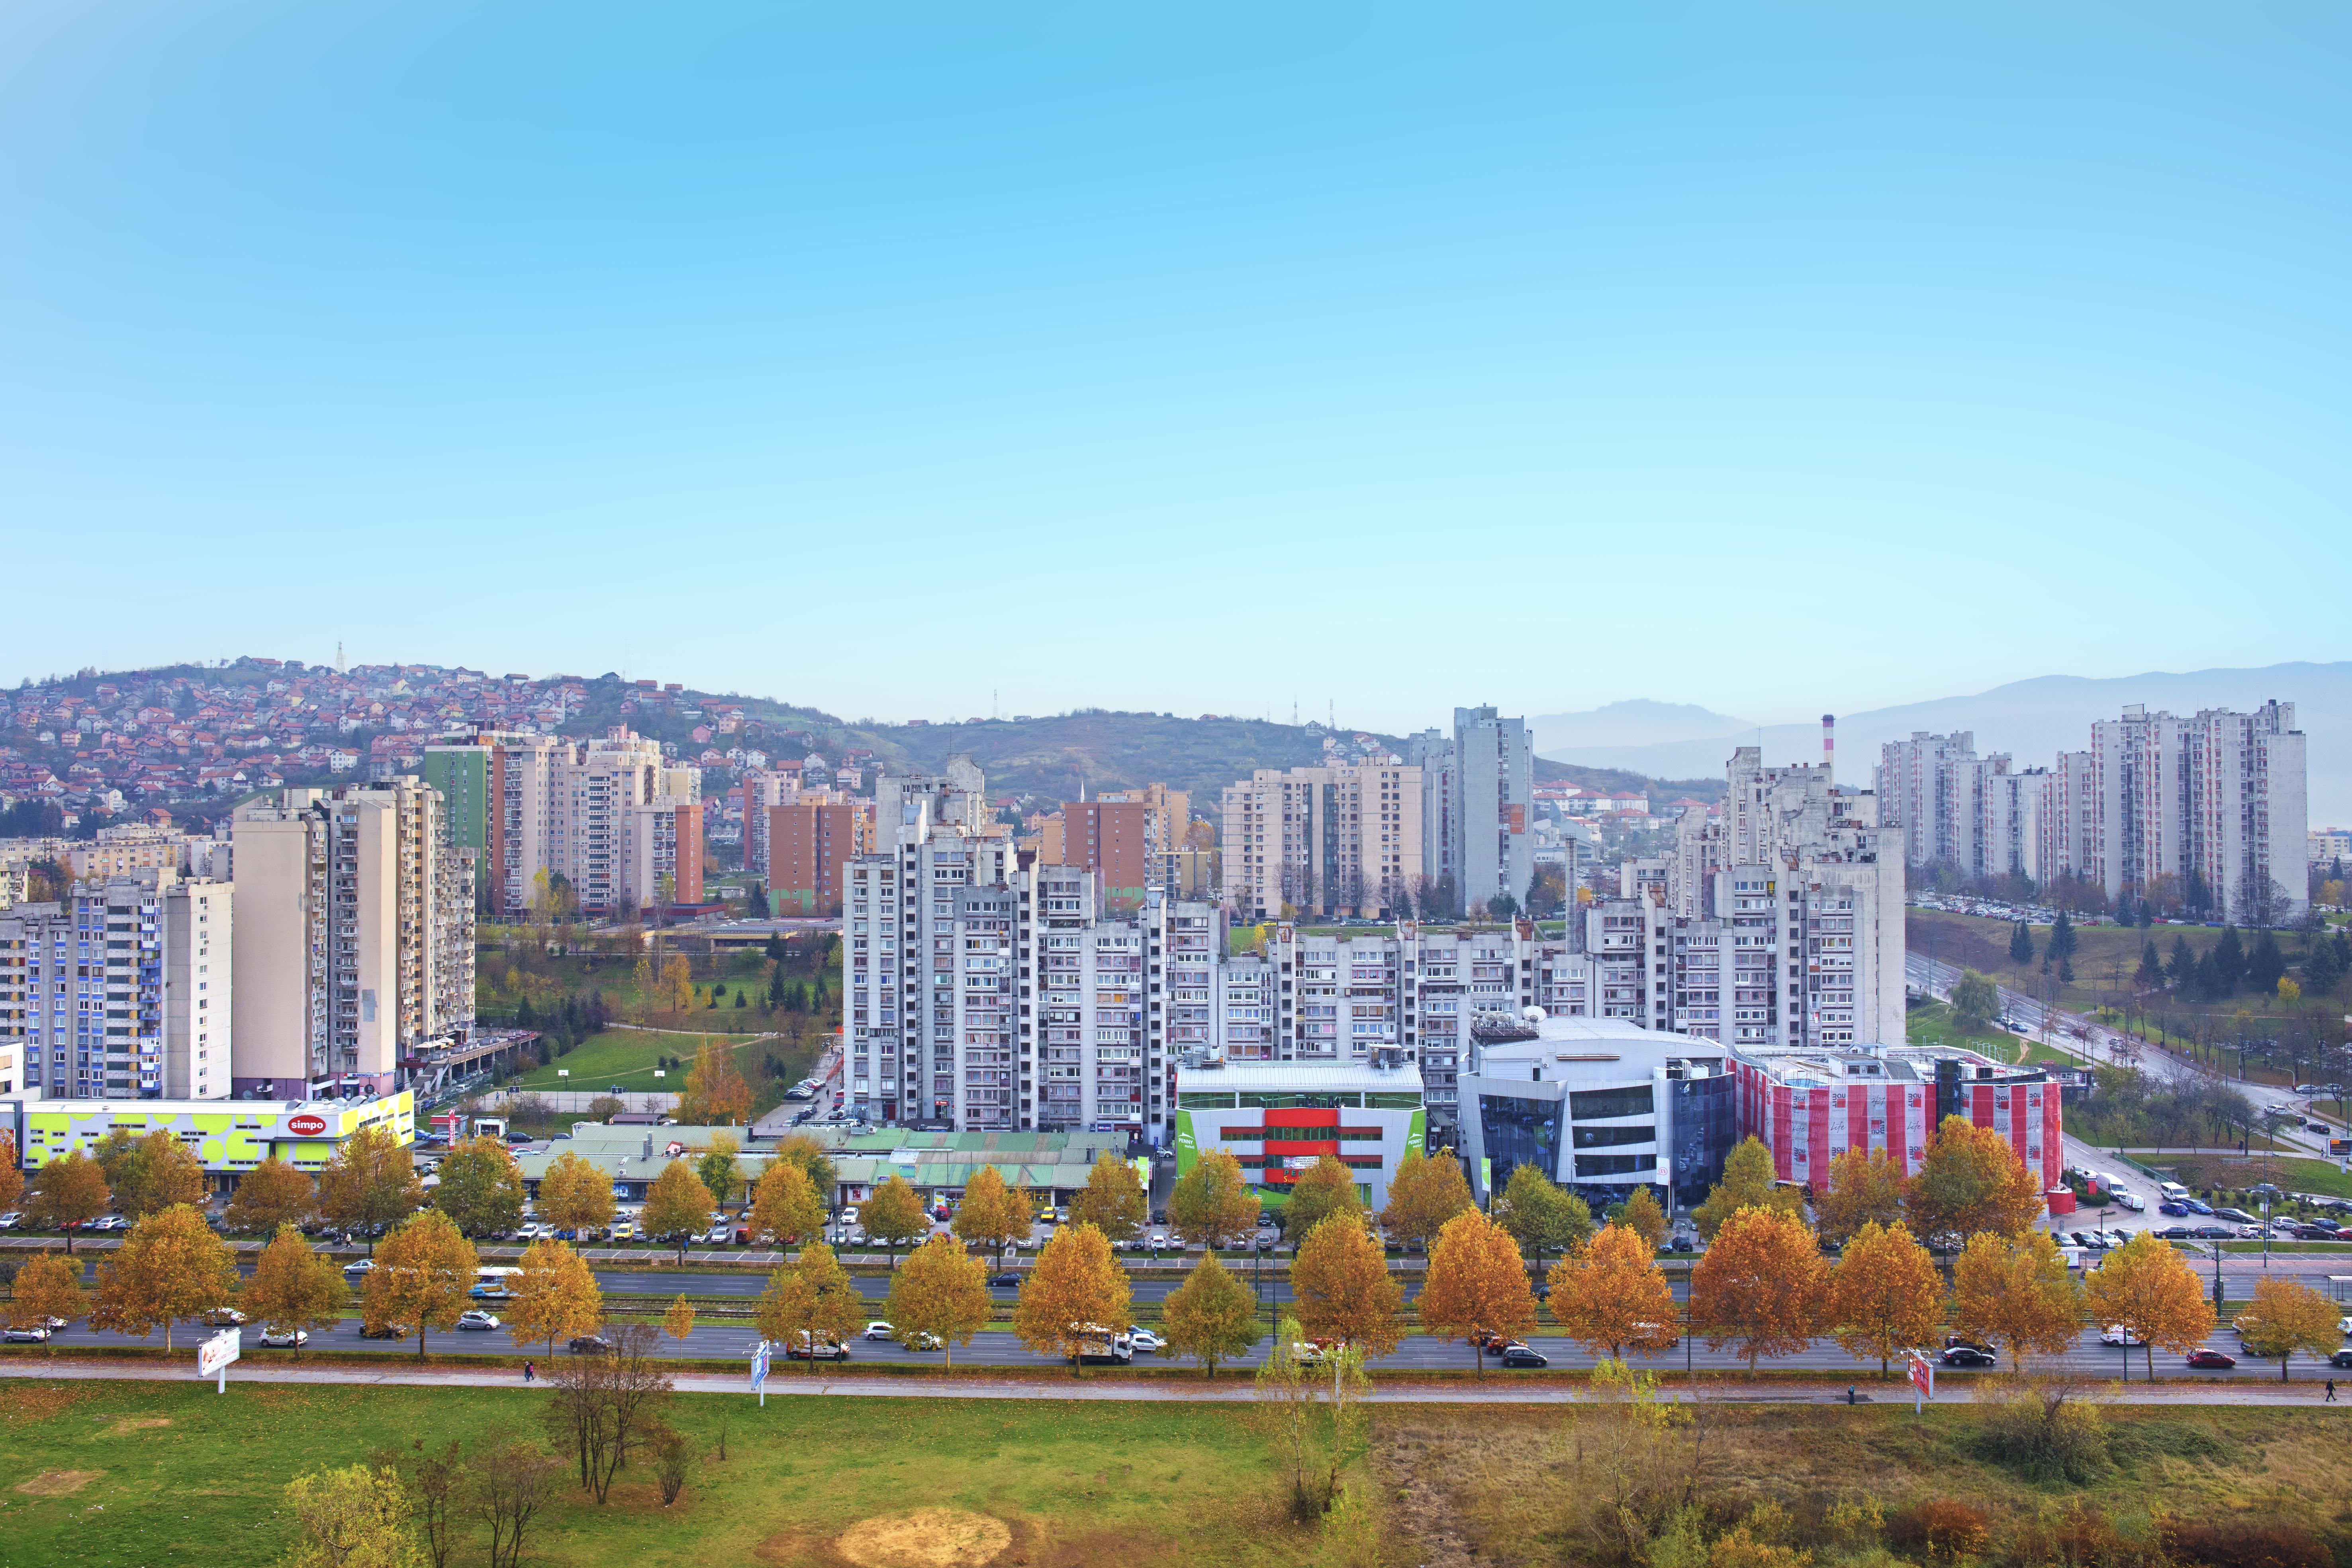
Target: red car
[{"x": 2211, "y": 1360}]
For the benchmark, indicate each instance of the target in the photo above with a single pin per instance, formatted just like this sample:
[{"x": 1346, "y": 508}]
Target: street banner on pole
[
  {"x": 760, "y": 1373},
  {"x": 213, "y": 1356}
]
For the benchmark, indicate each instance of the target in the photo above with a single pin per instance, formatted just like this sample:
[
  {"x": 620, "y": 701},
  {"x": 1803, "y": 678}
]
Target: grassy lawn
[
  {"x": 627, "y": 1057},
  {"x": 2288, "y": 1246},
  {"x": 173, "y": 1473},
  {"x": 1933, "y": 1026}
]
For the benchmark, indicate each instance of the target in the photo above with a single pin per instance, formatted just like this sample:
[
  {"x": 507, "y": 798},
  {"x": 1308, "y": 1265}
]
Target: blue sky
[{"x": 887, "y": 358}]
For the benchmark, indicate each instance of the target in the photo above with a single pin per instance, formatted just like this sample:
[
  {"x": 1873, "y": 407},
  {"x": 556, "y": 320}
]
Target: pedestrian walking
[
  {"x": 2331, "y": 1392},
  {"x": 529, "y": 1372}
]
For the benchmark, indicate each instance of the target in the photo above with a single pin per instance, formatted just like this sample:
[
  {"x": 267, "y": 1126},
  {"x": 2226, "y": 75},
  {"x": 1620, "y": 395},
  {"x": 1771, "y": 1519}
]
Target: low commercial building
[
  {"x": 1278, "y": 1119},
  {"x": 227, "y": 1136},
  {"x": 1810, "y": 1106},
  {"x": 1052, "y": 1166},
  {"x": 1601, "y": 1106}
]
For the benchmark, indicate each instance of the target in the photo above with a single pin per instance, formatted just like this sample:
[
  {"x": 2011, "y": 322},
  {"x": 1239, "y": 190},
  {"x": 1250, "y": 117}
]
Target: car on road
[
  {"x": 11, "y": 1219},
  {"x": 623, "y": 1230},
  {"x": 360, "y": 1266},
  {"x": 2236, "y": 1216},
  {"x": 2212, "y": 1232},
  {"x": 224, "y": 1318},
  {"x": 30, "y": 1334},
  {"x": 283, "y": 1339},
  {"x": 477, "y": 1321},
  {"x": 590, "y": 1345},
  {"x": 878, "y": 1330},
  {"x": 1143, "y": 1338},
  {"x": 827, "y": 1349},
  {"x": 388, "y": 1332},
  {"x": 2211, "y": 1360},
  {"x": 923, "y": 1339},
  {"x": 1521, "y": 1355},
  {"x": 2118, "y": 1334},
  {"x": 2341, "y": 1358},
  {"x": 2173, "y": 1206},
  {"x": 2175, "y": 1233},
  {"x": 1969, "y": 1355},
  {"x": 1007, "y": 1278}
]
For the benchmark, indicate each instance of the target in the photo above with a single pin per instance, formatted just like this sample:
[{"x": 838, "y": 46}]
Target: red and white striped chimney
[{"x": 1828, "y": 744}]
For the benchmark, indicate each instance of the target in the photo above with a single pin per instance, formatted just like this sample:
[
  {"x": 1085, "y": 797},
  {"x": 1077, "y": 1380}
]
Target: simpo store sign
[{"x": 307, "y": 1125}]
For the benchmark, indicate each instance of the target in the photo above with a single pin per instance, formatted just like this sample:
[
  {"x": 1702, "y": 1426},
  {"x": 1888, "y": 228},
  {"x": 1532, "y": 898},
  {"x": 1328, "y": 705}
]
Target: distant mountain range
[{"x": 2030, "y": 719}]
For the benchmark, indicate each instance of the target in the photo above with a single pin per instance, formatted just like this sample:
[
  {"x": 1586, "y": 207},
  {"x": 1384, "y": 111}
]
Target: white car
[
  {"x": 362, "y": 1265},
  {"x": 2344, "y": 1326},
  {"x": 1143, "y": 1338},
  {"x": 718, "y": 1235},
  {"x": 877, "y": 1330},
  {"x": 2118, "y": 1334},
  {"x": 284, "y": 1339},
  {"x": 477, "y": 1319},
  {"x": 1159, "y": 1239},
  {"x": 849, "y": 1216},
  {"x": 11, "y": 1220},
  {"x": 32, "y": 1335}
]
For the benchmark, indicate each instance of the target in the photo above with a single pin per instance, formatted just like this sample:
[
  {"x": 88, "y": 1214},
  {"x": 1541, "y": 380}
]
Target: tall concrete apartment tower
[
  {"x": 1497, "y": 772},
  {"x": 359, "y": 948},
  {"x": 121, "y": 990}
]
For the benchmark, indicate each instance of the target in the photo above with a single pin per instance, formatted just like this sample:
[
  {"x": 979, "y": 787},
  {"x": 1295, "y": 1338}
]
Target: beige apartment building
[
  {"x": 1321, "y": 842},
  {"x": 357, "y": 947}
]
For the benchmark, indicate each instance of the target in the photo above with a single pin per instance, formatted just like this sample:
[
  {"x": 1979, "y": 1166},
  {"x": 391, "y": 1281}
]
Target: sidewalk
[{"x": 787, "y": 1382}]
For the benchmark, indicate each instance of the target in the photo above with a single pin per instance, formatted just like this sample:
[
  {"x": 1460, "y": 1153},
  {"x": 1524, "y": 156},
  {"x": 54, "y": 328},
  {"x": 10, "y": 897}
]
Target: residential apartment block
[
  {"x": 1477, "y": 788},
  {"x": 1325, "y": 841},
  {"x": 983, "y": 989},
  {"x": 2209, "y": 811},
  {"x": 356, "y": 947},
  {"x": 543, "y": 807},
  {"x": 122, "y": 989}
]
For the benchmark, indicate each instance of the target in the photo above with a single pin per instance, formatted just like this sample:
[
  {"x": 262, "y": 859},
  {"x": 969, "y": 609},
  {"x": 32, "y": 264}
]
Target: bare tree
[
  {"x": 602, "y": 1400},
  {"x": 511, "y": 1482}
]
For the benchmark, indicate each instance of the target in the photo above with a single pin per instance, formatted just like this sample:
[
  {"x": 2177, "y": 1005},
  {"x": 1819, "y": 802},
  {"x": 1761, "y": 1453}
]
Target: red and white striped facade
[{"x": 1808, "y": 1107}]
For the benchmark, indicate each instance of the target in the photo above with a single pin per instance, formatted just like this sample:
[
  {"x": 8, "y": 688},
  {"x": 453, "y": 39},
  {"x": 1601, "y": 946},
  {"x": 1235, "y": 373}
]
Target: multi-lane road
[{"x": 735, "y": 1342}]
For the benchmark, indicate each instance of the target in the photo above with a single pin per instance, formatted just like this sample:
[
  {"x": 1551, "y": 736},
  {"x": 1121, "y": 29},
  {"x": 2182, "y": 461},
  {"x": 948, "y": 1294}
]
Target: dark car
[
  {"x": 2236, "y": 1216},
  {"x": 1519, "y": 1355},
  {"x": 1006, "y": 1278},
  {"x": 2213, "y": 1233},
  {"x": 1496, "y": 1344},
  {"x": 1969, "y": 1355},
  {"x": 389, "y": 1331},
  {"x": 2173, "y": 1206},
  {"x": 2341, "y": 1358},
  {"x": 591, "y": 1344},
  {"x": 2174, "y": 1232},
  {"x": 2211, "y": 1360}
]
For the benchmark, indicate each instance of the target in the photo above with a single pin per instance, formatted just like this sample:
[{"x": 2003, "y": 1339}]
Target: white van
[{"x": 2173, "y": 1191}]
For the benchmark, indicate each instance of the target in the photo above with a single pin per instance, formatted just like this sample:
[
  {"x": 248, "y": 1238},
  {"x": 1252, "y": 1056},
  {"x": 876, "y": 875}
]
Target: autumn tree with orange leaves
[
  {"x": 1477, "y": 1286},
  {"x": 1866, "y": 1187},
  {"x": 1609, "y": 1295},
  {"x": 1884, "y": 1294},
  {"x": 2018, "y": 1293},
  {"x": 1761, "y": 1283},
  {"x": 1344, "y": 1289},
  {"x": 2147, "y": 1290},
  {"x": 1970, "y": 1180}
]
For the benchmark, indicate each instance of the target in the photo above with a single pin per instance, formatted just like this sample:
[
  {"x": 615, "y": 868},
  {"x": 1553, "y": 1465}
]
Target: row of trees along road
[{"x": 1763, "y": 1284}]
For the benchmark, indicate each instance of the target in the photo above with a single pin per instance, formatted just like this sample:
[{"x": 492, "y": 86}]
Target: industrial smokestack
[{"x": 1828, "y": 744}]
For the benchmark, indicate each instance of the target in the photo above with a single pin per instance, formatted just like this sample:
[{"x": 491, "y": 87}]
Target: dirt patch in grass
[
  {"x": 927, "y": 1538},
  {"x": 57, "y": 1483},
  {"x": 22, "y": 1403},
  {"x": 127, "y": 1425}
]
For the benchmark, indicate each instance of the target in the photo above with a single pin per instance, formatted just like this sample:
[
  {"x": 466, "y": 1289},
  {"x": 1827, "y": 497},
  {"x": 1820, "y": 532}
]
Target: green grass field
[
  {"x": 154, "y": 1474},
  {"x": 627, "y": 1057},
  {"x": 2292, "y": 1173}
]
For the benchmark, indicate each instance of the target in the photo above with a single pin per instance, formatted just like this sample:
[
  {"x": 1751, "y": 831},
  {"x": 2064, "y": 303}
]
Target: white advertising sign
[{"x": 213, "y": 1356}]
